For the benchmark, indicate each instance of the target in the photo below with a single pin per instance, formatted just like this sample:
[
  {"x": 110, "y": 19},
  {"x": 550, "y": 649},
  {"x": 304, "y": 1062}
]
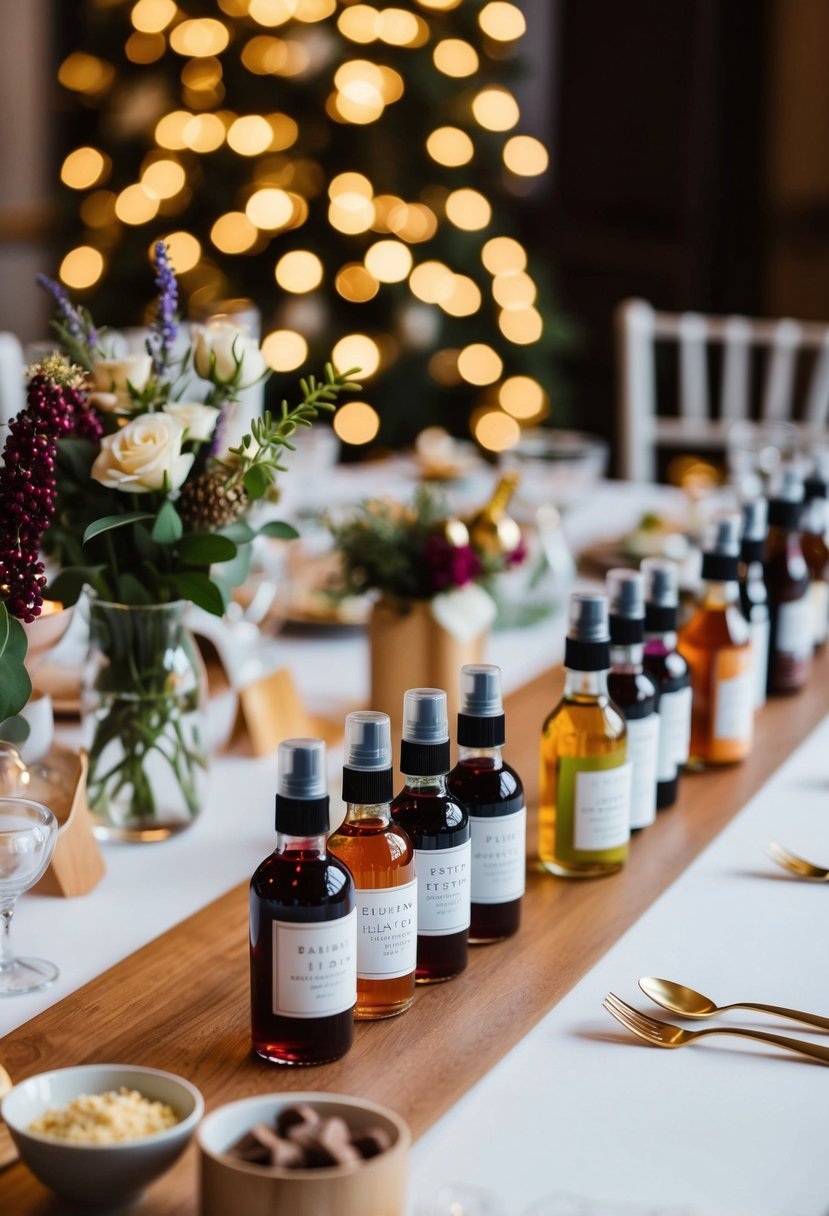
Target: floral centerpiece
[{"x": 116, "y": 471}]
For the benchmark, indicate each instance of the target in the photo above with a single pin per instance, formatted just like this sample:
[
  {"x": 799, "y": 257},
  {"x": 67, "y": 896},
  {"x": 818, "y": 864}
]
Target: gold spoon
[
  {"x": 797, "y": 865},
  {"x": 690, "y": 1004}
]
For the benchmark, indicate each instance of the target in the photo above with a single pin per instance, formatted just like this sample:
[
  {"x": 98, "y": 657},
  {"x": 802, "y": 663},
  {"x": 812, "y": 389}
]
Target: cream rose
[
  {"x": 222, "y": 351},
  {"x": 198, "y": 420},
  {"x": 112, "y": 378},
  {"x": 144, "y": 455}
]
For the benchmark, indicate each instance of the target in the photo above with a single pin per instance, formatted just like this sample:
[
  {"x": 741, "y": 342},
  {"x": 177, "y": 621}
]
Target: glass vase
[{"x": 143, "y": 714}]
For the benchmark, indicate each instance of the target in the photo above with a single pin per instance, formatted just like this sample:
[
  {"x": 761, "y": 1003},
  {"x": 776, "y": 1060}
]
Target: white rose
[
  {"x": 220, "y": 348},
  {"x": 110, "y": 403},
  {"x": 113, "y": 375},
  {"x": 143, "y": 455},
  {"x": 198, "y": 420}
]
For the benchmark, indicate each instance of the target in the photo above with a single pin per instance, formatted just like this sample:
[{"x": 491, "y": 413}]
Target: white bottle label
[
  {"x": 795, "y": 628},
  {"x": 387, "y": 932},
  {"x": 820, "y": 609},
  {"x": 314, "y": 967},
  {"x": 674, "y": 732},
  {"x": 499, "y": 857},
  {"x": 760, "y": 646},
  {"x": 443, "y": 890},
  {"x": 601, "y": 808},
  {"x": 734, "y": 711},
  {"x": 643, "y": 749}
]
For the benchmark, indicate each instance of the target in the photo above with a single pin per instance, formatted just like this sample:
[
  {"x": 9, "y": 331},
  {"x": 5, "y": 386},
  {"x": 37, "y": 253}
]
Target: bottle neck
[
  {"x": 585, "y": 683},
  {"x": 717, "y": 594},
  {"x": 664, "y": 640},
  {"x": 482, "y": 753},
  {"x": 360, "y": 812},
  {"x": 434, "y": 784},
  {"x": 300, "y": 844},
  {"x": 627, "y": 658}
]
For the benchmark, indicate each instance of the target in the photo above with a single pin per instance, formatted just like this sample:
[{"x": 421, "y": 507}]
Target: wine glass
[{"x": 28, "y": 832}]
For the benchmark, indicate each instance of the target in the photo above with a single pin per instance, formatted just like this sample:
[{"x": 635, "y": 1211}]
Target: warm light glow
[
  {"x": 411, "y": 222},
  {"x": 235, "y": 8},
  {"x": 398, "y": 27},
  {"x": 266, "y": 56},
  {"x": 392, "y": 86},
  {"x": 496, "y": 109},
  {"x": 272, "y": 12},
  {"x": 357, "y": 350},
  {"x": 384, "y": 206},
  {"x": 234, "y": 233},
  {"x": 153, "y": 16},
  {"x": 442, "y": 6},
  {"x": 521, "y": 326},
  {"x": 480, "y": 364},
  {"x": 202, "y": 75},
  {"x": 269, "y": 208},
  {"x": 468, "y": 209},
  {"x": 86, "y": 74},
  {"x": 450, "y": 146},
  {"x": 84, "y": 168},
  {"x": 250, "y": 135},
  {"x": 523, "y": 398},
  {"x": 462, "y": 298},
  {"x": 514, "y": 290},
  {"x": 204, "y": 133},
  {"x": 350, "y": 183},
  {"x": 431, "y": 282},
  {"x": 360, "y": 23},
  {"x": 98, "y": 209},
  {"x": 502, "y": 254},
  {"x": 356, "y": 422},
  {"x": 135, "y": 205},
  {"x": 443, "y": 367},
  {"x": 501, "y": 21},
  {"x": 164, "y": 178},
  {"x": 284, "y": 131},
  {"x": 454, "y": 57},
  {"x": 184, "y": 250},
  {"x": 315, "y": 10},
  {"x": 199, "y": 37},
  {"x": 526, "y": 156},
  {"x": 496, "y": 431},
  {"x": 351, "y": 213},
  {"x": 389, "y": 261},
  {"x": 285, "y": 350},
  {"x": 169, "y": 131},
  {"x": 145, "y": 48},
  {"x": 354, "y": 283},
  {"x": 82, "y": 267},
  {"x": 299, "y": 271}
]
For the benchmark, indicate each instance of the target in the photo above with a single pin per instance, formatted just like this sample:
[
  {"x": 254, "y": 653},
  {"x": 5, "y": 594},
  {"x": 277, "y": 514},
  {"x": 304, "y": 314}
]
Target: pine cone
[{"x": 209, "y": 502}]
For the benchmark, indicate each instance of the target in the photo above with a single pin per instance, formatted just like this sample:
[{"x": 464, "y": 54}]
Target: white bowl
[
  {"x": 377, "y": 1187},
  {"x": 99, "y": 1174}
]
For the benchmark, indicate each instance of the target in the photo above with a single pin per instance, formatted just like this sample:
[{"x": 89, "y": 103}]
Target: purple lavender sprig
[
  {"x": 74, "y": 325},
  {"x": 164, "y": 328}
]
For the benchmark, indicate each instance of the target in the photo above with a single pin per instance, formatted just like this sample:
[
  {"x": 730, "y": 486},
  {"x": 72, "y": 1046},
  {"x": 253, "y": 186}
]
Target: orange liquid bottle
[{"x": 716, "y": 645}]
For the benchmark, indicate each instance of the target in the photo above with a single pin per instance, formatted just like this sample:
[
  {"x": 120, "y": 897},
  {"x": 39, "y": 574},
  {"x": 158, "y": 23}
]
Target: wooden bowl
[{"x": 377, "y": 1187}]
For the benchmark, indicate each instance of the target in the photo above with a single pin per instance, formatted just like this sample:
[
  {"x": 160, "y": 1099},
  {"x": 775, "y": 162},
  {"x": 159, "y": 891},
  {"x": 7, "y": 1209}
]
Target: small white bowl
[{"x": 99, "y": 1174}]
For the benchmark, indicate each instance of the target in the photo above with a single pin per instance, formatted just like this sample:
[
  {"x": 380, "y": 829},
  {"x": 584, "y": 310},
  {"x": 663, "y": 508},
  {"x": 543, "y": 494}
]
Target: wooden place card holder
[
  {"x": 77, "y": 865},
  {"x": 271, "y": 709}
]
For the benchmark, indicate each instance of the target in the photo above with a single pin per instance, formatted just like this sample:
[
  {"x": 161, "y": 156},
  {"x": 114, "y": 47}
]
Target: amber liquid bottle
[
  {"x": 791, "y": 615},
  {"x": 816, "y": 552},
  {"x": 438, "y": 826},
  {"x": 491, "y": 530},
  {"x": 717, "y": 646},
  {"x": 633, "y": 691},
  {"x": 303, "y": 934},
  {"x": 380, "y": 857},
  {"x": 754, "y": 597},
  {"x": 584, "y": 821},
  {"x": 671, "y": 674},
  {"x": 493, "y": 794}
]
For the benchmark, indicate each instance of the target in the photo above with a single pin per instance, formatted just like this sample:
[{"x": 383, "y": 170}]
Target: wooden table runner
[{"x": 181, "y": 1002}]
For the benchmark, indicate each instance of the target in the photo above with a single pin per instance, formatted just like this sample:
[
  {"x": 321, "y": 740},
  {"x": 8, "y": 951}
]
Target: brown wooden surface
[{"x": 181, "y": 1002}]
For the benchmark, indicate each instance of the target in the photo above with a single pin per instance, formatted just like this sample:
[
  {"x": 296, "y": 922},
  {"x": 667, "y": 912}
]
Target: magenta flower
[{"x": 449, "y": 566}]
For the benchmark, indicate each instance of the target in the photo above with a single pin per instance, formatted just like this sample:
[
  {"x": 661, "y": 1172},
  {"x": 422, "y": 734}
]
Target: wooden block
[
  {"x": 77, "y": 865},
  {"x": 270, "y": 710}
]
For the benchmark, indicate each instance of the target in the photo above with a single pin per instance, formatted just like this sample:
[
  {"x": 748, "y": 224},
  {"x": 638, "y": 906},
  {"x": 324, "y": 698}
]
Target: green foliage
[{"x": 15, "y": 685}]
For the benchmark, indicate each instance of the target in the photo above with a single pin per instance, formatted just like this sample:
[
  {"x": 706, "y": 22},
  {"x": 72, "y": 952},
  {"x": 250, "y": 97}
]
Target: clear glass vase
[{"x": 143, "y": 712}]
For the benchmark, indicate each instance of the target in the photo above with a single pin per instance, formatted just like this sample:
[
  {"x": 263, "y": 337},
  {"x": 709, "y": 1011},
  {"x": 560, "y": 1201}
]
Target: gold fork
[
  {"x": 664, "y": 1034},
  {"x": 797, "y": 865}
]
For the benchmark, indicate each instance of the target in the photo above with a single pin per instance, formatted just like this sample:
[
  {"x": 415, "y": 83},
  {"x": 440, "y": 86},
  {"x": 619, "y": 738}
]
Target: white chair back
[{"x": 12, "y": 389}]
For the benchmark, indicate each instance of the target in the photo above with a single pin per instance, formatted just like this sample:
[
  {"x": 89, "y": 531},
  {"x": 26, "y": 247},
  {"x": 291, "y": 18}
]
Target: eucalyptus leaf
[
  {"x": 190, "y": 585},
  {"x": 15, "y": 729},
  {"x": 256, "y": 482},
  {"x": 4, "y": 627},
  {"x": 168, "y": 526},
  {"x": 15, "y": 685},
  {"x": 234, "y": 572},
  {"x": 109, "y": 522},
  {"x": 204, "y": 548},
  {"x": 70, "y": 582},
  {"x": 279, "y": 529},
  {"x": 239, "y": 532},
  {"x": 132, "y": 591}
]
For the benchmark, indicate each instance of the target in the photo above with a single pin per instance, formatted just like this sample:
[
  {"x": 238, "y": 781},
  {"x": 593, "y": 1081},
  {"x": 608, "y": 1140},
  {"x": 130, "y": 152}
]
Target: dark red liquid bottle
[
  {"x": 791, "y": 633},
  {"x": 669, "y": 672},
  {"x": 493, "y": 795},
  {"x": 303, "y": 931},
  {"x": 438, "y": 827}
]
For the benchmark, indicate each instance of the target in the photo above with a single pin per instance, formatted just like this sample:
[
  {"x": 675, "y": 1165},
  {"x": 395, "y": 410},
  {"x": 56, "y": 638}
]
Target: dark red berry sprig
[{"x": 28, "y": 487}]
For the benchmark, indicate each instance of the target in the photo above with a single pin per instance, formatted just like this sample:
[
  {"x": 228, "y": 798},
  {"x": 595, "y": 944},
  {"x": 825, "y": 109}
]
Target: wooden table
[{"x": 181, "y": 1002}]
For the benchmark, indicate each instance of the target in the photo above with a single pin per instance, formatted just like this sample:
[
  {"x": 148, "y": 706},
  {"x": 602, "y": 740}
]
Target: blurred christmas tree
[{"x": 357, "y": 171}]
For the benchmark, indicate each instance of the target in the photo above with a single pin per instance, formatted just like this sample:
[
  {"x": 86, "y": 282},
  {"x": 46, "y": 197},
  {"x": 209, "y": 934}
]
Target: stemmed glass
[{"x": 28, "y": 832}]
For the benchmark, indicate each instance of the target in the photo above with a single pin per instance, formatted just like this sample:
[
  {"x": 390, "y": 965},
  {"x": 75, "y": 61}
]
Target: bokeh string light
[{"x": 370, "y": 216}]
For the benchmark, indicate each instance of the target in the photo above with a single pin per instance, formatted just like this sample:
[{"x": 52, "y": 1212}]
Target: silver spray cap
[
  {"x": 481, "y": 690},
  {"x": 301, "y": 769},
  {"x": 588, "y": 617},
  {"x": 425, "y": 716},
  {"x": 368, "y": 740},
  {"x": 755, "y": 519},
  {"x": 626, "y": 593},
  {"x": 723, "y": 535},
  {"x": 661, "y": 579},
  {"x": 790, "y": 488}
]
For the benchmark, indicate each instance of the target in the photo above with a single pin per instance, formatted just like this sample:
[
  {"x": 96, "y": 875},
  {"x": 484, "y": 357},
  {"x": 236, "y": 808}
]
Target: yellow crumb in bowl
[{"x": 107, "y": 1118}]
